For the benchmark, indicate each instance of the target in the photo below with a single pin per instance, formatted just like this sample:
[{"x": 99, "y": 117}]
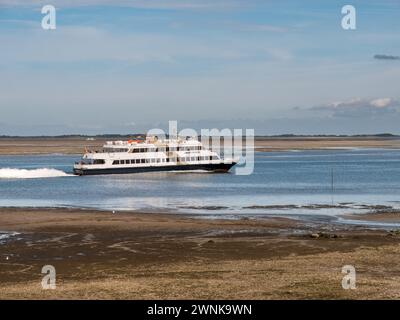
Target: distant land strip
[
  {"x": 142, "y": 135},
  {"x": 77, "y": 144}
]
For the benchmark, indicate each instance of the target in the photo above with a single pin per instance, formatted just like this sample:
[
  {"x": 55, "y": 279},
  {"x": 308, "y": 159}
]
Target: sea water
[{"x": 323, "y": 183}]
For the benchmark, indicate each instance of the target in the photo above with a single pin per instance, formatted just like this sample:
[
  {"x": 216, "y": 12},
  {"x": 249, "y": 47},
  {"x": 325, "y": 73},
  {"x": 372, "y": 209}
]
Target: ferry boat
[{"x": 151, "y": 154}]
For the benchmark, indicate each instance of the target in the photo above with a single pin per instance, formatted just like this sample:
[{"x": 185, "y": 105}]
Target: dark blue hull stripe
[{"x": 220, "y": 167}]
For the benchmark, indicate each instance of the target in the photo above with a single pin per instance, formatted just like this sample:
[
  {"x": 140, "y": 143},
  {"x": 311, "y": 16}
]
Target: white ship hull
[{"x": 121, "y": 157}]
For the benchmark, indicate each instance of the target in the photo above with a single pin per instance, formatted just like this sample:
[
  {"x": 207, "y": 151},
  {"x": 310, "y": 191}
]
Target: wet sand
[
  {"x": 21, "y": 146},
  {"x": 316, "y": 143},
  {"x": 101, "y": 255},
  {"x": 389, "y": 216},
  {"x": 18, "y": 146}
]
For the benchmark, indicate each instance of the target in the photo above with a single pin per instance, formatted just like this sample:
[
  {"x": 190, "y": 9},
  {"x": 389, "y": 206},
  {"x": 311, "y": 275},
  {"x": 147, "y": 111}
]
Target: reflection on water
[{"x": 283, "y": 183}]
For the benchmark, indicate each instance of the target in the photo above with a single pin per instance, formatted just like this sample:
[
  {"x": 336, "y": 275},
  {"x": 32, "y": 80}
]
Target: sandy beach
[{"x": 130, "y": 255}]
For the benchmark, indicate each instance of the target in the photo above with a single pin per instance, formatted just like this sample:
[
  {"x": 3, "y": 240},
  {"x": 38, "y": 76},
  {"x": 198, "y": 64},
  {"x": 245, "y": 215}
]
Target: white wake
[{"x": 10, "y": 173}]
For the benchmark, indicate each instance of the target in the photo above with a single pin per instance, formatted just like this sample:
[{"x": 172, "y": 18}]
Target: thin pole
[{"x": 332, "y": 185}]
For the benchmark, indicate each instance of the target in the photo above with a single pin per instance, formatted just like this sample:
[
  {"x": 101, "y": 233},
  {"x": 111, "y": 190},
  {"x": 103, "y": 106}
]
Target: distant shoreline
[
  {"x": 77, "y": 144},
  {"x": 136, "y": 135}
]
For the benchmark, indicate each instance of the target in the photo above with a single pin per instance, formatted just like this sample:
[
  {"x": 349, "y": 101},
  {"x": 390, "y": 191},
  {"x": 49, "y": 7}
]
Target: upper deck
[{"x": 152, "y": 145}]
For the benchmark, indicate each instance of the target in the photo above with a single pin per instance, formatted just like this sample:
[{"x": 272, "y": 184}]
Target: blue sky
[{"x": 130, "y": 65}]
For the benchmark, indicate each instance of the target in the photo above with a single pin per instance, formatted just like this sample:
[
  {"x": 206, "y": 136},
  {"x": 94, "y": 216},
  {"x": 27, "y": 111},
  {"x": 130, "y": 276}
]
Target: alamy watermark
[
  {"x": 49, "y": 280},
  {"x": 349, "y": 280},
  {"x": 49, "y": 21},
  {"x": 235, "y": 145},
  {"x": 349, "y": 20}
]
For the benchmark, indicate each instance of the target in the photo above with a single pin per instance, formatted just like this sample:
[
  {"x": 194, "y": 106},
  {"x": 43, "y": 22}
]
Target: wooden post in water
[{"x": 332, "y": 185}]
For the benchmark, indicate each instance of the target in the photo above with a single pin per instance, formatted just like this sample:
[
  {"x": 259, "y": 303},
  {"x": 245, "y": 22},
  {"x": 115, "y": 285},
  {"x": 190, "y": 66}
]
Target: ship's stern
[{"x": 78, "y": 169}]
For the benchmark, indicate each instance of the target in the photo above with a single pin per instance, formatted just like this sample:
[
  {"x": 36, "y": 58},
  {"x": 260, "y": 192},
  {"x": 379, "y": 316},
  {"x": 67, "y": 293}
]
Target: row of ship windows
[
  {"x": 159, "y": 160},
  {"x": 161, "y": 149}
]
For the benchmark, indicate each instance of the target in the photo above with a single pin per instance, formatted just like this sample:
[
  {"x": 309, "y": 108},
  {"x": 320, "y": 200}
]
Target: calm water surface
[{"x": 298, "y": 183}]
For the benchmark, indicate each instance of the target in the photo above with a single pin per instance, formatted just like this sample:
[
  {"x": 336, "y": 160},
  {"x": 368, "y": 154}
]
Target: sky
[{"x": 126, "y": 66}]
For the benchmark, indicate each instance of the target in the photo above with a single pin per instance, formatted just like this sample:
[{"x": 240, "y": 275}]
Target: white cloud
[
  {"x": 381, "y": 103},
  {"x": 279, "y": 54},
  {"x": 358, "y": 107},
  {"x": 263, "y": 28},
  {"x": 69, "y": 44},
  {"x": 348, "y": 103}
]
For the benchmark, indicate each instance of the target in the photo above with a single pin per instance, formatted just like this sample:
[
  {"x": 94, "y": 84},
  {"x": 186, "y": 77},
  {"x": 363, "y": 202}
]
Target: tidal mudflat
[{"x": 131, "y": 255}]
